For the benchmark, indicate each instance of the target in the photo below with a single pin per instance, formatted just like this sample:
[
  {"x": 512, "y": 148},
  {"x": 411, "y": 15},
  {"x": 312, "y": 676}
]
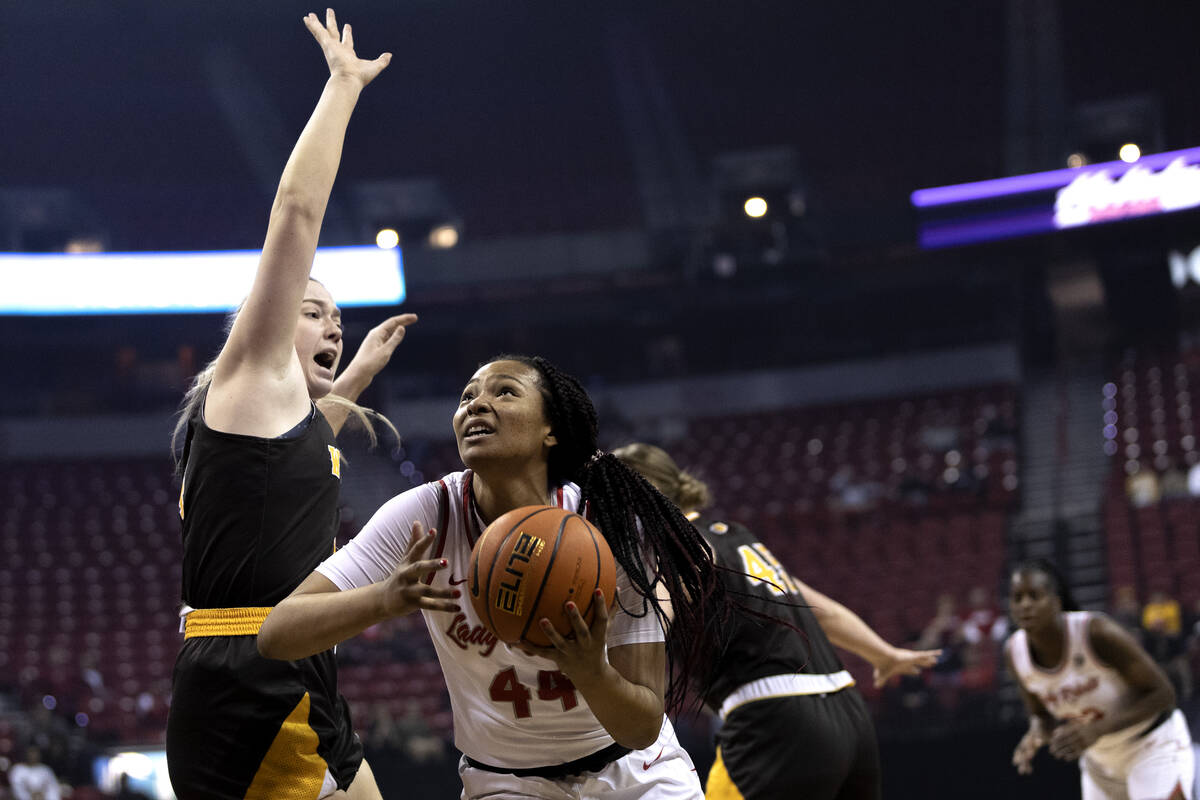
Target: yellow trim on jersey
[
  {"x": 291, "y": 769},
  {"x": 224, "y": 622},
  {"x": 719, "y": 785}
]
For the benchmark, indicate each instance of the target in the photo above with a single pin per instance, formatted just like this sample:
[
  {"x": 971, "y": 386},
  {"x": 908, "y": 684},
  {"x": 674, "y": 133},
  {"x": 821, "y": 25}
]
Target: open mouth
[
  {"x": 477, "y": 430},
  {"x": 325, "y": 359}
]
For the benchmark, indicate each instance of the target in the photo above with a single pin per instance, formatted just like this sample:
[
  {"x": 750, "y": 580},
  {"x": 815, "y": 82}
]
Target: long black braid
[{"x": 649, "y": 536}]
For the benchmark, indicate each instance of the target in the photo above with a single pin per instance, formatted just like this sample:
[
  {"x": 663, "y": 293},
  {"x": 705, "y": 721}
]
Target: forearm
[
  {"x": 348, "y": 386},
  {"x": 310, "y": 171},
  {"x": 305, "y": 624},
  {"x": 1144, "y": 709},
  {"x": 631, "y": 713},
  {"x": 846, "y": 629},
  {"x": 353, "y": 381}
]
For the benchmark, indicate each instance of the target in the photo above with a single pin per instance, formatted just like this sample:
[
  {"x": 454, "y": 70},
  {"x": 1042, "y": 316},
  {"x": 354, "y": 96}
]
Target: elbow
[
  {"x": 294, "y": 206},
  {"x": 1169, "y": 699},
  {"x": 641, "y": 738},
  {"x": 269, "y": 641},
  {"x": 641, "y": 742}
]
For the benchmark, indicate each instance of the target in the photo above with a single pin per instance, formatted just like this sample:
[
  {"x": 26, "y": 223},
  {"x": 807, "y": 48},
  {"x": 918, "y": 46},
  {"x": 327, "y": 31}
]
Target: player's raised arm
[{"x": 259, "y": 355}]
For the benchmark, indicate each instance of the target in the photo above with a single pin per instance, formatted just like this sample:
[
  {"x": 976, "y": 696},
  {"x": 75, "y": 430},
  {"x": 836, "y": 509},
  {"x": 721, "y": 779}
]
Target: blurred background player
[
  {"x": 1094, "y": 695},
  {"x": 30, "y": 779},
  {"x": 792, "y": 722}
]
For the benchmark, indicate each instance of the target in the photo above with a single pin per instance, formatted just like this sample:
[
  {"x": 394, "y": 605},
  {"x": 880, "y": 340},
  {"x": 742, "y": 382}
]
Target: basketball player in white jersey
[
  {"x": 1094, "y": 695},
  {"x": 584, "y": 718}
]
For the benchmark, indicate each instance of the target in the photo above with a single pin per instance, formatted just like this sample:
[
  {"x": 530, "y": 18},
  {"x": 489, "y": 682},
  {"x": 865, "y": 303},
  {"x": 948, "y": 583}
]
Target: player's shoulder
[
  {"x": 566, "y": 496},
  {"x": 718, "y": 527},
  {"x": 453, "y": 481},
  {"x": 425, "y": 496}
]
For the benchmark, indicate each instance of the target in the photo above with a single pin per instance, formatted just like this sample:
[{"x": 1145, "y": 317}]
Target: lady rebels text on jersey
[{"x": 505, "y": 703}]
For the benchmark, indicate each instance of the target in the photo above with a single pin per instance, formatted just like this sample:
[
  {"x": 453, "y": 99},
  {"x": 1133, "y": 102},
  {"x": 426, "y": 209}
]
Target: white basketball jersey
[
  {"x": 1080, "y": 687},
  {"x": 510, "y": 710}
]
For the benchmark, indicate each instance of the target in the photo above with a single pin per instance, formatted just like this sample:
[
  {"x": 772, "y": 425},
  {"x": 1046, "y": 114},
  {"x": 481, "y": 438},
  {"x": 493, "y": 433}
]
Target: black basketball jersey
[
  {"x": 759, "y": 648},
  {"x": 258, "y": 514}
]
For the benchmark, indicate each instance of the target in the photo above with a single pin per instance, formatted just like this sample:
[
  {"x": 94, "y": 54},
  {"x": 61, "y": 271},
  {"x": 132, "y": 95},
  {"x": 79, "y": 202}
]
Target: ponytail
[{"x": 648, "y": 534}]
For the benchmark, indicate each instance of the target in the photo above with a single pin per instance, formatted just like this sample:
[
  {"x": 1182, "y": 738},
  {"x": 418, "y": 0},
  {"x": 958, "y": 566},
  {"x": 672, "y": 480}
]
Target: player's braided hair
[
  {"x": 649, "y": 536},
  {"x": 1047, "y": 568}
]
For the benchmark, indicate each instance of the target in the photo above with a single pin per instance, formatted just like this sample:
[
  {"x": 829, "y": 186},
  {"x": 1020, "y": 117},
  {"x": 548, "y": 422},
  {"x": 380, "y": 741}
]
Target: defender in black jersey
[
  {"x": 259, "y": 500},
  {"x": 258, "y": 515},
  {"x": 793, "y": 725}
]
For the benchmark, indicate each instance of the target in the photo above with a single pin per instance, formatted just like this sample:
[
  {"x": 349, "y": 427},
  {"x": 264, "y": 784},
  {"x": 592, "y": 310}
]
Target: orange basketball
[{"x": 529, "y": 563}]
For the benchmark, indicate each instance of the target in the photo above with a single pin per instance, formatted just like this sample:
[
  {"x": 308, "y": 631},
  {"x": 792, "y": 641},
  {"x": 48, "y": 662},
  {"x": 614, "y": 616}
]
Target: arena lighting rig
[
  {"x": 970, "y": 213},
  {"x": 181, "y": 283}
]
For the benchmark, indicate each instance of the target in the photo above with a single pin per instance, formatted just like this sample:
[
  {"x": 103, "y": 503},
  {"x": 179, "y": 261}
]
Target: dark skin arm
[
  {"x": 1041, "y": 722},
  {"x": 1152, "y": 689}
]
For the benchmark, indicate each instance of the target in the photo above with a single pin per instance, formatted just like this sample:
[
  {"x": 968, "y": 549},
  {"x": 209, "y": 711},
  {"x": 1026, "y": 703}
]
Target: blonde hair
[
  {"x": 656, "y": 465},
  {"x": 194, "y": 398}
]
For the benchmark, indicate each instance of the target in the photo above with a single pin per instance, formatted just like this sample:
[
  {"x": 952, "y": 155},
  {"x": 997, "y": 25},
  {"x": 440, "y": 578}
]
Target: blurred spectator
[
  {"x": 848, "y": 493},
  {"x": 420, "y": 743},
  {"x": 1142, "y": 487},
  {"x": 32, "y": 780},
  {"x": 1125, "y": 610},
  {"x": 945, "y": 631},
  {"x": 1162, "y": 630},
  {"x": 382, "y": 733},
  {"x": 985, "y": 625},
  {"x": 983, "y": 629},
  {"x": 1174, "y": 483}
]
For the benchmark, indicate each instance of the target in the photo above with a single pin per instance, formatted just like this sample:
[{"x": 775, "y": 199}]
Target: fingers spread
[
  {"x": 331, "y": 22},
  {"x": 420, "y": 541},
  {"x": 347, "y": 36},
  {"x": 314, "y": 26}
]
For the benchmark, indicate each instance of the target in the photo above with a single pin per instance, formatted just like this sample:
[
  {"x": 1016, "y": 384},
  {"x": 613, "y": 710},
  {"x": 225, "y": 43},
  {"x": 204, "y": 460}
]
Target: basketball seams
[
  {"x": 556, "y": 583},
  {"x": 599, "y": 567},
  {"x": 558, "y": 536},
  {"x": 487, "y": 586}
]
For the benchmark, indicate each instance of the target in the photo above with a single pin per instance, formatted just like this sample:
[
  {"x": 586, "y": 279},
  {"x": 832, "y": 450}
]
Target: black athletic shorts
[
  {"x": 815, "y": 747},
  {"x": 245, "y": 727}
]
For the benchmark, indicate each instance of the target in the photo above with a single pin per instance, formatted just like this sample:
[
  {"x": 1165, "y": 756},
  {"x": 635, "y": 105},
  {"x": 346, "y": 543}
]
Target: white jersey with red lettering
[
  {"x": 510, "y": 709},
  {"x": 1085, "y": 688}
]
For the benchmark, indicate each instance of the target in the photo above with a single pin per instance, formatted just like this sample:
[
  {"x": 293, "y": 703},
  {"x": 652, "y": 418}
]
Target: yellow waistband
[{"x": 224, "y": 622}]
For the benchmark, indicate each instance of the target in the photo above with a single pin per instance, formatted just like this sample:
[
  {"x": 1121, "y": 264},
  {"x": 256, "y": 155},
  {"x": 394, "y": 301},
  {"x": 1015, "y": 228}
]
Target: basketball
[{"x": 529, "y": 563}]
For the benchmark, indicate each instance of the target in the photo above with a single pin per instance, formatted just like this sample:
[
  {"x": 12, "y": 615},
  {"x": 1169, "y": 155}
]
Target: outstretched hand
[
  {"x": 904, "y": 662},
  {"x": 379, "y": 344},
  {"x": 1027, "y": 748},
  {"x": 405, "y": 592},
  {"x": 339, "y": 50}
]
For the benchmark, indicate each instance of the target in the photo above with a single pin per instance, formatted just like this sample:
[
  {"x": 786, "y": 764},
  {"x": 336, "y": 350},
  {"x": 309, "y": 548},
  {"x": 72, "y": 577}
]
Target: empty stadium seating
[
  {"x": 89, "y": 552},
  {"x": 1147, "y": 426}
]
